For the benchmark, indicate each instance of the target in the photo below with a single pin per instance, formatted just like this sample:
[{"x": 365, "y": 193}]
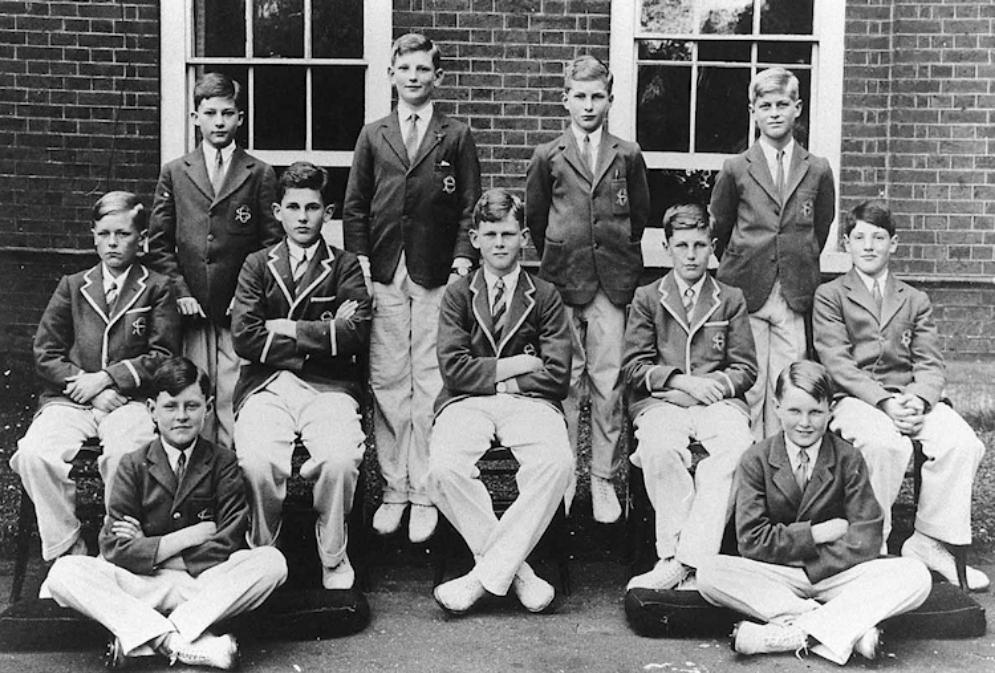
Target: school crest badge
[
  {"x": 206, "y": 514},
  {"x": 530, "y": 350},
  {"x": 243, "y": 214},
  {"x": 622, "y": 196},
  {"x": 327, "y": 315},
  {"x": 138, "y": 326},
  {"x": 808, "y": 207},
  {"x": 449, "y": 184},
  {"x": 907, "y": 338},
  {"x": 719, "y": 342}
]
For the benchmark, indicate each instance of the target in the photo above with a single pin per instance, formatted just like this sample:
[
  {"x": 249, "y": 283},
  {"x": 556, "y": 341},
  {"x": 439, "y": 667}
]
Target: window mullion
[
  {"x": 250, "y": 104},
  {"x": 248, "y": 29},
  {"x": 693, "y": 99}
]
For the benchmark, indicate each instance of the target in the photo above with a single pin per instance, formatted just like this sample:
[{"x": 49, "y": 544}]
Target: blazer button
[
  {"x": 176, "y": 515},
  {"x": 596, "y": 245},
  {"x": 210, "y": 237}
]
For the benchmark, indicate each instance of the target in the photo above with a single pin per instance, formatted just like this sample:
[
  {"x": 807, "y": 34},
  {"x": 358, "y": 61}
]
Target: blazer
[
  {"x": 758, "y": 240},
  {"x": 145, "y": 488},
  {"x": 77, "y": 333},
  {"x": 871, "y": 357},
  {"x": 588, "y": 229},
  {"x": 774, "y": 518},
  {"x": 199, "y": 239},
  {"x": 327, "y": 351},
  {"x": 422, "y": 208},
  {"x": 660, "y": 341},
  {"x": 468, "y": 351}
]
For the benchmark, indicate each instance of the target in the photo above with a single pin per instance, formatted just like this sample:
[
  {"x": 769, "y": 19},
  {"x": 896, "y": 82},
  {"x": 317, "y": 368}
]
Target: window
[
  {"x": 682, "y": 68},
  {"x": 313, "y": 72}
]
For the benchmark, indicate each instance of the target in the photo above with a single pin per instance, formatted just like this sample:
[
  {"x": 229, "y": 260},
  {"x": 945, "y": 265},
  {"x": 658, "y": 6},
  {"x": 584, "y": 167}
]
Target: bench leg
[
  {"x": 960, "y": 562},
  {"x": 25, "y": 524}
]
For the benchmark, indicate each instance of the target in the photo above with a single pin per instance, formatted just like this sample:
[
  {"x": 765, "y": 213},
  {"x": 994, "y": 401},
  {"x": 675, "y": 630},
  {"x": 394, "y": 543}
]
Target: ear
[
  {"x": 611, "y": 98},
  {"x": 846, "y": 242},
  {"x": 439, "y": 73},
  {"x": 475, "y": 239},
  {"x": 798, "y": 105},
  {"x": 209, "y": 405},
  {"x": 276, "y": 210},
  {"x": 241, "y": 118},
  {"x": 150, "y": 403},
  {"x": 526, "y": 235},
  {"x": 894, "y": 244},
  {"x": 142, "y": 236},
  {"x": 328, "y": 213}
]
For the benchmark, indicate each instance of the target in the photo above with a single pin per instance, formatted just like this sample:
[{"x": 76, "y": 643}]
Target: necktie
[
  {"x": 299, "y": 268},
  {"x": 498, "y": 310},
  {"x": 801, "y": 475},
  {"x": 218, "y": 176},
  {"x": 585, "y": 153},
  {"x": 181, "y": 467},
  {"x": 779, "y": 182},
  {"x": 411, "y": 139},
  {"x": 876, "y": 295},
  {"x": 688, "y": 301},
  {"x": 112, "y": 295}
]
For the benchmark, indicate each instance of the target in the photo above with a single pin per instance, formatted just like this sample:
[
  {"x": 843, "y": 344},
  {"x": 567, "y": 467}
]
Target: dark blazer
[
  {"x": 424, "y": 208},
  {"x": 468, "y": 353},
  {"x": 200, "y": 240},
  {"x": 774, "y": 518},
  {"x": 145, "y": 488},
  {"x": 326, "y": 351},
  {"x": 870, "y": 357},
  {"x": 758, "y": 241},
  {"x": 76, "y": 333},
  {"x": 588, "y": 228},
  {"x": 660, "y": 341}
]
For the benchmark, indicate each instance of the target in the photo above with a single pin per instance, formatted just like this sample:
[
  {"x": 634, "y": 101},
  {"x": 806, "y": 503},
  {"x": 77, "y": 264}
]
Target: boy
[
  {"x": 809, "y": 532},
  {"x": 212, "y": 208},
  {"x": 172, "y": 558},
  {"x": 301, "y": 318},
  {"x": 587, "y": 202},
  {"x": 504, "y": 352},
  {"x": 103, "y": 333},
  {"x": 688, "y": 362},
  {"x": 408, "y": 205},
  {"x": 772, "y": 207},
  {"x": 876, "y": 336}
]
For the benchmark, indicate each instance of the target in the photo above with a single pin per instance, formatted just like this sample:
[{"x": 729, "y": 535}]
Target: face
[
  {"x": 302, "y": 212},
  {"x": 690, "y": 250},
  {"x": 870, "y": 248},
  {"x": 181, "y": 418},
  {"x": 499, "y": 244},
  {"x": 218, "y": 119},
  {"x": 117, "y": 241},
  {"x": 415, "y": 77},
  {"x": 803, "y": 418},
  {"x": 775, "y": 114},
  {"x": 588, "y": 103}
]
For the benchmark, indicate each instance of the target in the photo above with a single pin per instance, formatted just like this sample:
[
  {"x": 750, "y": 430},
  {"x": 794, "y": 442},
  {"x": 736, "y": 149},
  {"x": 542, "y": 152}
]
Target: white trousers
[
  {"x": 954, "y": 453},
  {"x": 44, "y": 454},
  {"x": 691, "y": 515},
  {"x": 779, "y": 337},
  {"x": 537, "y": 436},
  {"x": 836, "y": 611},
  {"x": 404, "y": 376},
  {"x": 140, "y": 608},
  {"x": 209, "y": 346},
  {"x": 329, "y": 427}
]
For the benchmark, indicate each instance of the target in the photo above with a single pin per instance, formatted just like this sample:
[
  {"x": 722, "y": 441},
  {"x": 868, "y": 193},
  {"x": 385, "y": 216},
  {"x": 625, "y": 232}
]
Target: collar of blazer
[
  {"x": 761, "y": 173},
  {"x": 707, "y": 303},
  {"x": 198, "y": 468},
  {"x": 318, "y": 269},
  {"x": 784, "y": 476},
  {"x": 522, "y": 303},
  {"x": 390, "y": 128},
  {"x": 894, "y": 296},
  {"x": 238, "y": 172},
  {"x": 606, "y": 156}
]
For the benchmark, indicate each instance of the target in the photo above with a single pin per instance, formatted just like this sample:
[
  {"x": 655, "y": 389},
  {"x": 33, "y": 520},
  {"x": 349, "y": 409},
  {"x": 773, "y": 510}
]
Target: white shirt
[
  {"x": 793, "y": 450},
  {"x": 425, "y": 112},
  {"x": 595, "y": 141},
  {"x": 770, "y": 154},
  {"x": 869, "y": 280},
  {"x": 173, "y": 454},
  {"x": 682, "y": 286},
  {"x": 211, "y": 158},
  {"x": 297, "y": 252},
  {"x": 110, "y": 281},
  {"x": 510, "y": 283}
]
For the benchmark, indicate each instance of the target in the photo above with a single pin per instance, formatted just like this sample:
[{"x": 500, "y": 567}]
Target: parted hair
[
  {"x": 587, "y": 68},
  {"x": 686, "y": 216},
  {"x": 773, "y": 80},
  {"x": 121, "y": 202},
  {"x": 216, "y": 85},
  {"x": 495, "y": 204},
  {"x": 415, "y": 42},
  {"x": 177, "y": 374},
  {"x": 809, "y": 377},
  {"x": 872, "y": 212},
  {"x": 302, "y": 175}
]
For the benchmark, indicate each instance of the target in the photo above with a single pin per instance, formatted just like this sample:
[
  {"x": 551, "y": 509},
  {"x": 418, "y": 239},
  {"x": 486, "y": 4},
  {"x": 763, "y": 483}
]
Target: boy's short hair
[
  {"x": 872, "y": 212},
  {"x": 177, "y": 374},
  {"x": 216, "y": 85},
  {"x": 773, "y": 80},
  {"x": 807, "y": 376},
  {"x": 495, "y": 204},
  {"x": 415, "y": 42},
  {"x": 587, "y": 68},
  {"x": 686, "y": 216},
  {"x": 302, "y": 175},
  {"x": 121, "y": 202}
]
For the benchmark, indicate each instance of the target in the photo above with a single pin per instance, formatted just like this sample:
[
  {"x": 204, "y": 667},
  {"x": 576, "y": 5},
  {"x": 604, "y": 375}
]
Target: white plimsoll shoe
[
  {"x": 207, "y": 650},
  {"x": 341, "y": 576},
  {"x": 604, "y": 500},
  {"x": 422, "y": 522},
  {"x": 752, "y": 638},
  {"x": 533, "y": 592},
  {"x": 936, "y": 556},
  {"x": 459, "y": 595},
  {"x": 666, "y": 574},
  {"x": 868, "y": 645},
  {"x": 387, "y": 518}
]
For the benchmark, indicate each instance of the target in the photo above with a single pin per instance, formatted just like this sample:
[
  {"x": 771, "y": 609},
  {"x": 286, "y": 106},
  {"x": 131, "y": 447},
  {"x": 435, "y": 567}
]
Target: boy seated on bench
[
  {"x": 504, "y": 353},
  {"x": 173, "y": 560},
  {"x": 688, "y": 362},
  {"x": 809, "y": 533}
]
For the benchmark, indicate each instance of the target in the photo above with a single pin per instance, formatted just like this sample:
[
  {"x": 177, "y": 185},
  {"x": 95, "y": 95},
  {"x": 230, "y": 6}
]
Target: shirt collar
[
  {"x": 210, "y": 152},
  {"x": 868, "y": 281},
  {"x": 794, "y": 450},
  {"x": 296, "y": 251},
  {"x": 595, "y": 135},
  {"x": 510, "y": 280},
  {"x": 424, "y": 113},
  {"x": 110, "y": 281},
  {"x": 173, "y": 454},
  {"x": 682, "y": 286},
  {"x": 770, "y": 153}
]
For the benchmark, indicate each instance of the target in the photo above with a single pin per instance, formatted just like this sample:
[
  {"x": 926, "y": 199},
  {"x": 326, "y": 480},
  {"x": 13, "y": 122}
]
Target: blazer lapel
[
  {"x": 858, "y": 293},
  {"x": 238, "y": 172},
  {"x": 159, "y": 468},
  {"x": 196, "y": 169},
  {"x": 706, "y": 304},
  {"x": 799, "y": 167},
  {"x": 433, "y": 136},
  {"x": 482, "y": 307},
  {"x": 606, "y": 156},
  {"x": 317, "y": 270},
  {"x": 131, "y": 289},
  {"x": 93, "y": 291},
  {"x": 758, "y": 169},
  {"x": 670, "y": 299},
  {"x": 822, "y": 479},
  {"x": 198, "y": 468},
  {"x": 391, "y": 132},
  {"x": 568, "y": 145},
  {"x": 893, "y": 299},
  {"x": 522, "y": 303},
  {"x": 279, "y": 267},
  {"x": 784, "y": 476}
]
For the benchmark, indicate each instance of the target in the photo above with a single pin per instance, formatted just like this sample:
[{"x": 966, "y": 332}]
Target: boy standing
[
  {"x": 876, "y": 336},
  {"x": 172, "y": 558},
  {"x": 408, "y": 205},
  {"x": 301, "y": 318},
  {"x": 504, "y": 352},
  {"x": 689, "y": 361},
  {"x": 587, "y": 202},
  {"x": 809, "y": 532},
  {"x": 772, "y": 207},
  {"x": 102, "y": 335},
  {"x": 212, "y": 208}
]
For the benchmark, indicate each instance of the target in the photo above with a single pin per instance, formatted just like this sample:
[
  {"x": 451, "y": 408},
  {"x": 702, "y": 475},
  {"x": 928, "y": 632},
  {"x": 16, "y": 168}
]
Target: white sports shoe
[
  {"x": 459, "y": 595},
  {"x": 422, "y": 522},
  {"x": 207, "y": 650},
  {"x": 534, "y": 593},
  {"x": 868, "y": 645},
  {"x": 387, "y": 518},
  {"x": 753, "y": 638},
  {"x": 666, "y": 574},
  {"x": 604, "y": 500},
  {"x": 936, "y": 557},
  {"x": 341, "y": 576}
]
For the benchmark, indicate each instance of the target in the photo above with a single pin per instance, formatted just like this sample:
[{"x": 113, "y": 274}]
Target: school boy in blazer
[
  {"x": 876, "y": 336},
  {"x": 689, "y": 361},
  {"x": 809, "y": 533},
  {"x": 504, "y": 352},
  {"x": 772, "y": 207},
  {"x": 414, "y": 179},
  {"x": 102, "y": 335}
]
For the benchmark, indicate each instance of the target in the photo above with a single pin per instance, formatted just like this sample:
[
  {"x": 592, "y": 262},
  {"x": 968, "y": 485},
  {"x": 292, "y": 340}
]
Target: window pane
[
  {"x": 724, "y": 51},
  {"x": 670, "y": 187},
  {"x": 339, "y": 93},
  {"x": 663, "y": 122},
  {"x": 722, "y": 119},
  {"x": 665, "y": 50},
  {"x": 337, "y": 28},
  {"x": 786, "y": 17},
  {"x": 726, "y": 17},
  {"x": 240, "y": 74},
  {"x": 219, "y": 28},
  {"x": 785, "y": 53},
  {"x": 667, "y": 16},
  {"x": 692, "y": 16},
  {"x": 279, "y": 103},
  {"x": 278, "y": 28}
]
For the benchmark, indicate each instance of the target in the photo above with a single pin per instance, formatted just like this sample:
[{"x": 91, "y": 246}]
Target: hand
[
  {"x": 528, "y": 363},
  {"x": 829, "y": 531},
  {"x": 283, "y": 327},
  {"x": 127, "y": 528},
  {"x": 189, "y": 306},
  {"x": 347, "y": 309},
  {"x": 83, "y": 387},
  {"x": 199, "y": 533},
  {"x": 108, "y": 399},
  {"x": 705, "y": 390},
  {"x": 907, "y": 419}
]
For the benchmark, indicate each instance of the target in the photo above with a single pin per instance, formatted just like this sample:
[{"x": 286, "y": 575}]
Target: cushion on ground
[{"x": 947, "y": 613}]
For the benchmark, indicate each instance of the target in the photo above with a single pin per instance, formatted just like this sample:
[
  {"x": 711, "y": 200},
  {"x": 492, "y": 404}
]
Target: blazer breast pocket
[
  {"x": 445, "y": 179},
  {"x": 324, "y": 307},
  {"x": 715, "y": 339},
  {"x": 806, "y": 206},
  {"x": 619, "y": 191},
  {"x": 242, "y": 220},
  {"x": 137, "y": 323},
  {"x": 199, "y": 509}
]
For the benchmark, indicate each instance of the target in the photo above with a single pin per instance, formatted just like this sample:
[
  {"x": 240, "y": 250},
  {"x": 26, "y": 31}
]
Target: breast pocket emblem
[{"x": 243, "y": 214}]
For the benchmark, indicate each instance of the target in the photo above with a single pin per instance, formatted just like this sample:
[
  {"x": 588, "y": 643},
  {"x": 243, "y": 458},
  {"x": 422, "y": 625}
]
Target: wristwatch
[
  {"x": 460, "y": 270},
  {"x": 501, "y": 387}
]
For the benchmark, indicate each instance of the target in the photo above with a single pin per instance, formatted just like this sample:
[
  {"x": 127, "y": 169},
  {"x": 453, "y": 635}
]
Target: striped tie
[
  {"x": 181, "y": 467},
  {"x": 498, "y": 311},
  {"x": 801, "y": 476},
  {"x": 112, "y": 295}
]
